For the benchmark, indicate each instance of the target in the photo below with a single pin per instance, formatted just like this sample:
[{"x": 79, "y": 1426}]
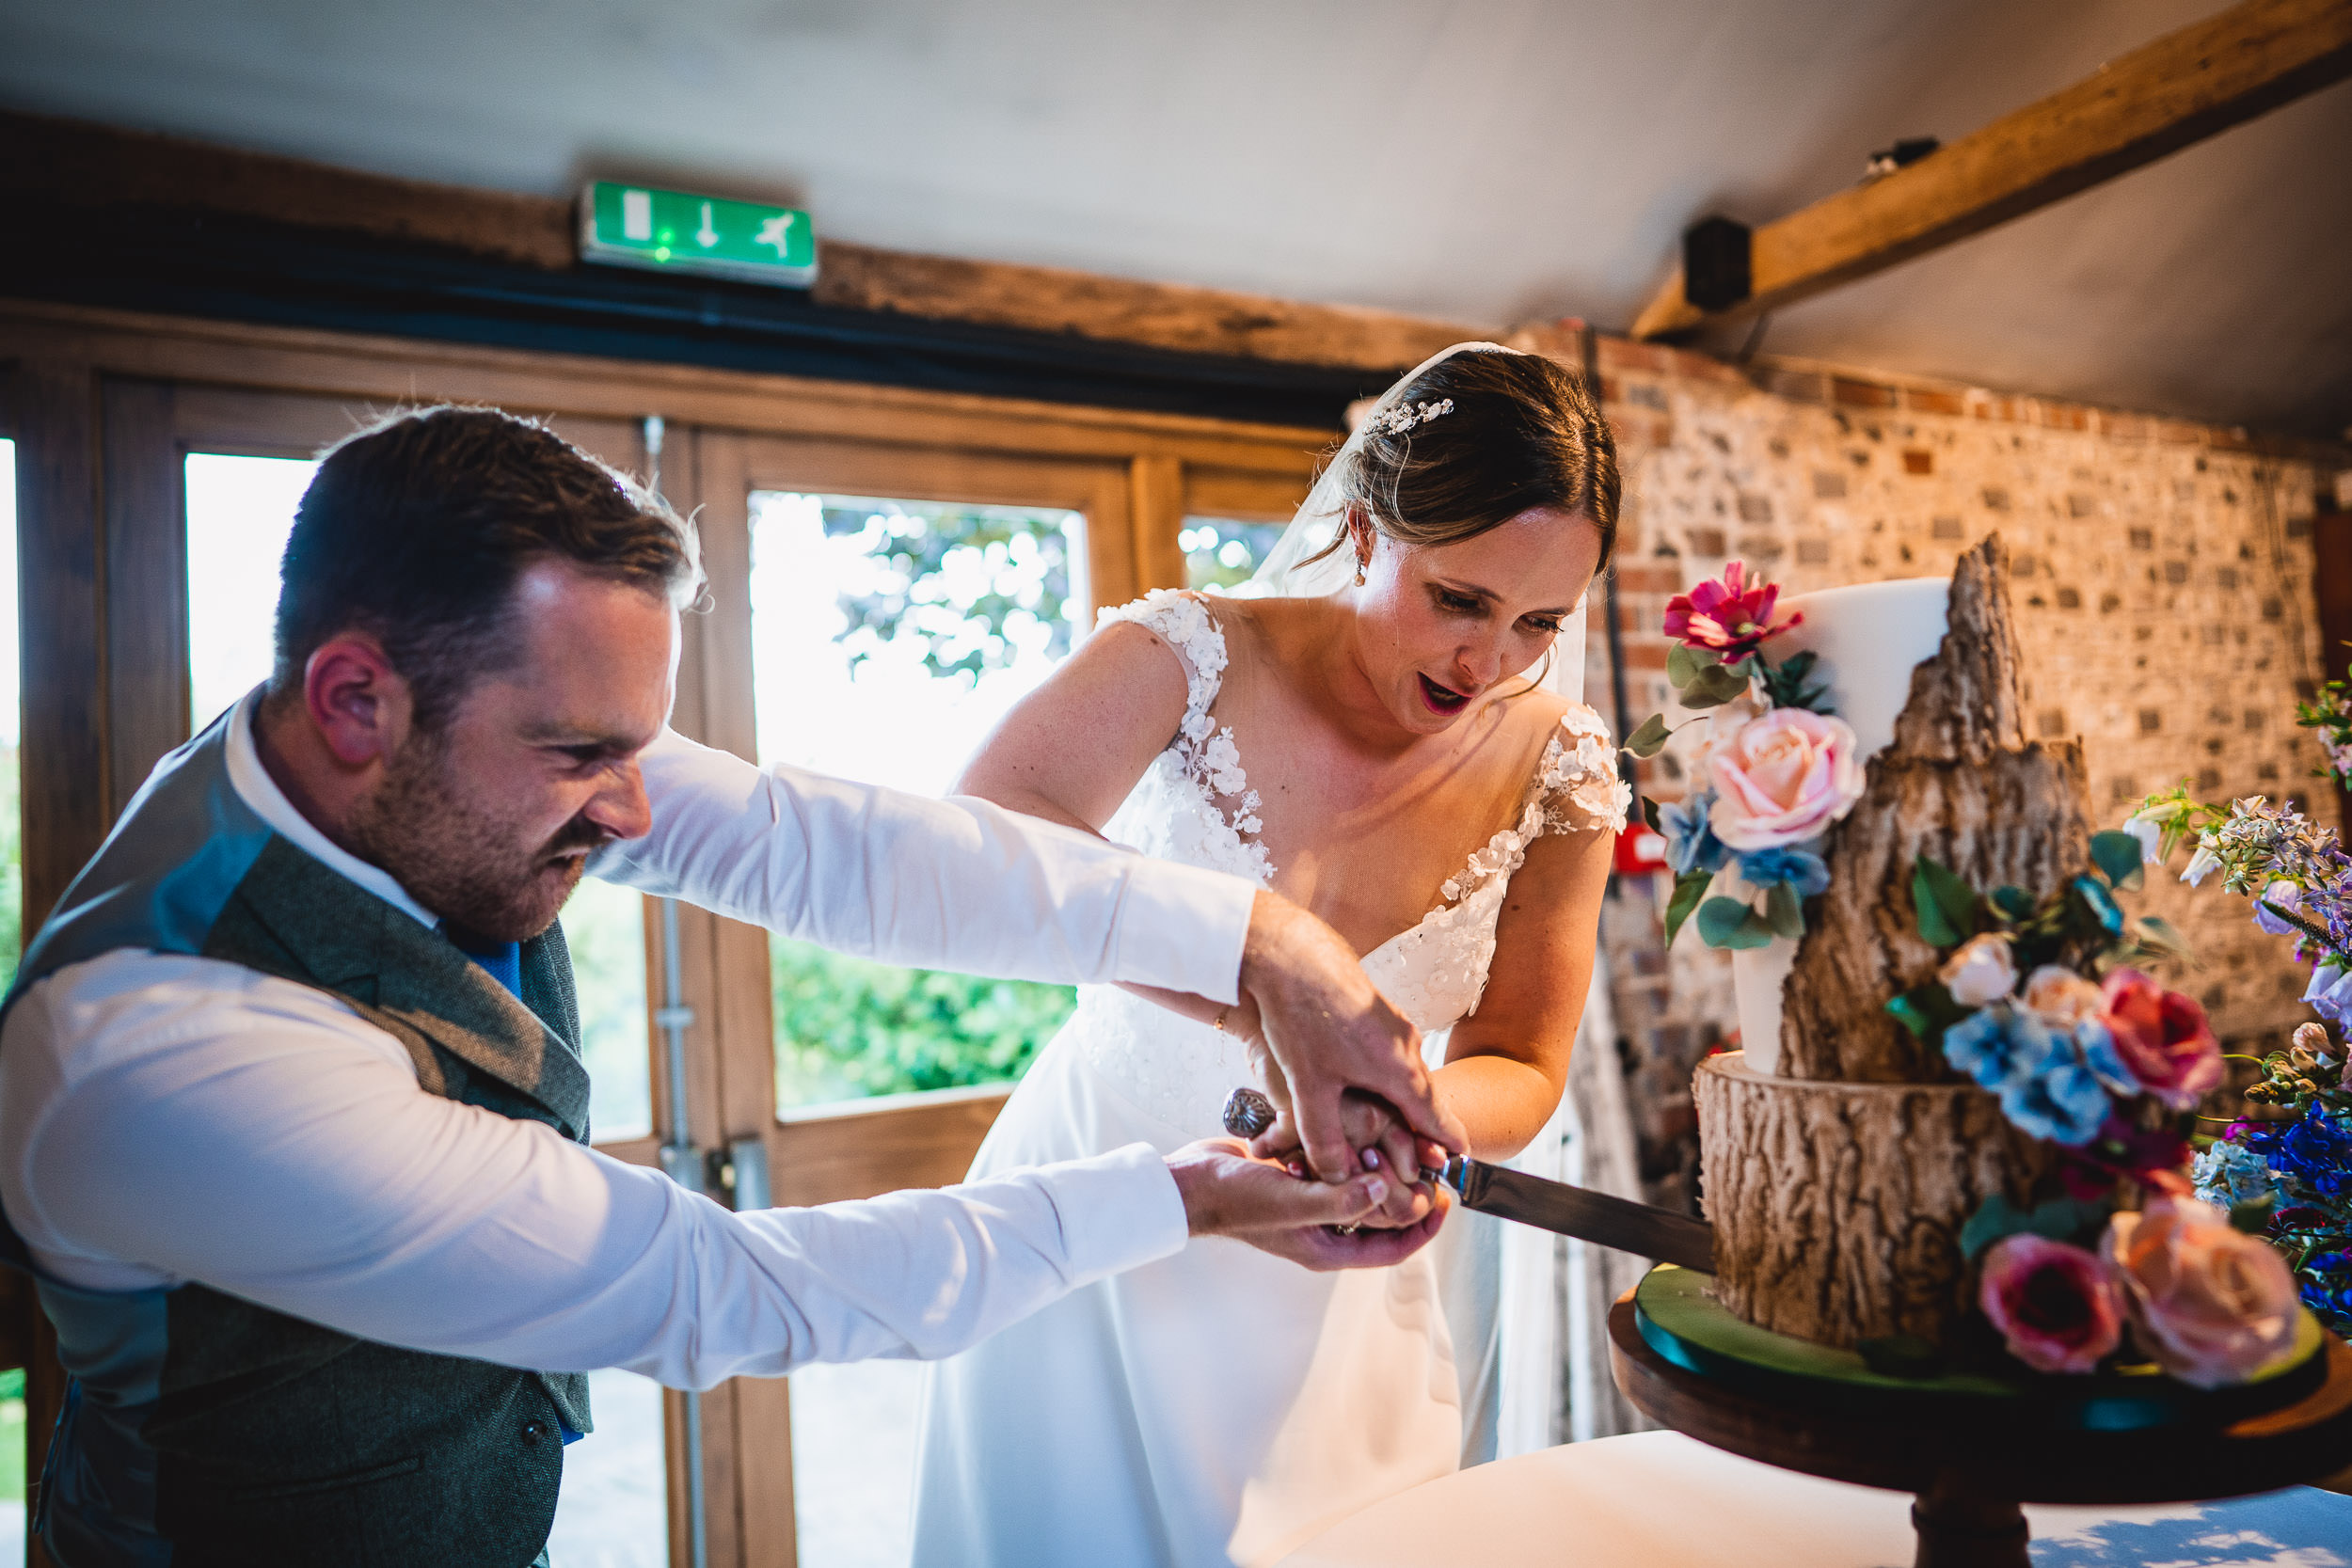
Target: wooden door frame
[{"x": 86, "y": 391}]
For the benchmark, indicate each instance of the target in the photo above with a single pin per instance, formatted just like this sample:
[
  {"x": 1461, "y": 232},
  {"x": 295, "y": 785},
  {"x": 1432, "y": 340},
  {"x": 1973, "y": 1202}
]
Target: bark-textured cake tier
[
  {"x": 1961, "y": 783},
  {"x": 1837, "y": 1207}
]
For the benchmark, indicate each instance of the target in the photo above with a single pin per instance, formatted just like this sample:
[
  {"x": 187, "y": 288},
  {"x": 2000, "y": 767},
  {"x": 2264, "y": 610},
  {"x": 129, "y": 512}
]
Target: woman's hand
[
  {"x": 1314, "y": 1224},
  {"x": 1383, "y": 1143}
]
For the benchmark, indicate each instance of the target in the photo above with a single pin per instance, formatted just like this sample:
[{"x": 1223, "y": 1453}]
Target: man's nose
[{"x": 621, "y": 807}]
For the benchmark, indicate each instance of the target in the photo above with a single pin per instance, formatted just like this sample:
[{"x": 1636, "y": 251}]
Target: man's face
[{"x": 489, "y": 821}]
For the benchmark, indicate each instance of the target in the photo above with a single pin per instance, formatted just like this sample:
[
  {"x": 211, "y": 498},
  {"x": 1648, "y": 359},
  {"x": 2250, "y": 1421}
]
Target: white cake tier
[{"x": 1868, "y": 638}]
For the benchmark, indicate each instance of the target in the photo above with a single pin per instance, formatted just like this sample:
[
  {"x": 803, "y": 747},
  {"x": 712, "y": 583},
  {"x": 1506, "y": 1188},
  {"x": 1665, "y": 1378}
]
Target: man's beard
[{"x": 457, "y": 856}]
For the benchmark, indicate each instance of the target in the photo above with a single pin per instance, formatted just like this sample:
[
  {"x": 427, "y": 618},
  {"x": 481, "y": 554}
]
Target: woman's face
[{"x": 1439, "y": 626}]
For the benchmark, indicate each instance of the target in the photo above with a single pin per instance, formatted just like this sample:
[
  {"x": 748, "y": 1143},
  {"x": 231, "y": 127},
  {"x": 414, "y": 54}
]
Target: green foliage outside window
[
  {"x": 972, "y": 582},
  {"x": 848, "y": 1027}
]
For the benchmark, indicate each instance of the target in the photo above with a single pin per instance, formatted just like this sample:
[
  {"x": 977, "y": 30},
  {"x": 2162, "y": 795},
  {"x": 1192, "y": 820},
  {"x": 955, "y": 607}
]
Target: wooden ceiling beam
[
  {"x": 78, "y": 162},
  {"x": 2185, "y": 86}
]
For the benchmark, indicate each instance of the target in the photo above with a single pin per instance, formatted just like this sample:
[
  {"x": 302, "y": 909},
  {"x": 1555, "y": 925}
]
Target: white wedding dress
[{"x": 1221, "y": 1405}]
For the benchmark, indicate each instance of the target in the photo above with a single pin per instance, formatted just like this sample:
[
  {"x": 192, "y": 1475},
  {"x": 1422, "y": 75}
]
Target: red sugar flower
[{"x": 1731, "y": 617}]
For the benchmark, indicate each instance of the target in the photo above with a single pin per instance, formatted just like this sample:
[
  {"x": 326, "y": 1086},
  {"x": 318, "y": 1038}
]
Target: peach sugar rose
[
  {"x": 1782, "y": 778},
  {"x": 2210, "y": 1304}
]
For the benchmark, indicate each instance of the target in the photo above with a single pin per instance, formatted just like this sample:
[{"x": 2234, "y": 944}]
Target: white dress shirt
[{"x": 167, "y": 1118}]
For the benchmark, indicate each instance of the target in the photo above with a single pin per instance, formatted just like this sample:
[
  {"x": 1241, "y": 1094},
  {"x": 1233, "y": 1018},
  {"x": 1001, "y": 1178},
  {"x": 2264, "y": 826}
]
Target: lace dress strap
[
  {"x": 1184, "y": 623},
  {"x": 1577, "y": 787},
  {"x": 1204, "y": 755}
]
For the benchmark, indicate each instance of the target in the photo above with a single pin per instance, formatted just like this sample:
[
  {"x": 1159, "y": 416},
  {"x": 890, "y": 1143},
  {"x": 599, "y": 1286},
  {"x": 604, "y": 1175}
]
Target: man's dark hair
[{"x": 417, "y": 530}]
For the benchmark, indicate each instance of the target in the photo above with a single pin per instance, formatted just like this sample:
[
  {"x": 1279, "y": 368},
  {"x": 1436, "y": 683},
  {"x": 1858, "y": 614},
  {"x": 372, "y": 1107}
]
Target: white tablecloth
[{"x": 1659, "y": 1500}]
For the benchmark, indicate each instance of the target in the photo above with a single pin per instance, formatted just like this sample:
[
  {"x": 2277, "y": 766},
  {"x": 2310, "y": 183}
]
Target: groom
[{"x": 293, "y": 1122}]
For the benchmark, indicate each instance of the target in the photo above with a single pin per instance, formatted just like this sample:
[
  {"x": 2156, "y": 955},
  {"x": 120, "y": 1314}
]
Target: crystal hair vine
[{"x": 1396, "y": 421}]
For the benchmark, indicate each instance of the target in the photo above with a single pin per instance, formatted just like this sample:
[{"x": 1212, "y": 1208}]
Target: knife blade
[{"x": 1641, "y": 1229}]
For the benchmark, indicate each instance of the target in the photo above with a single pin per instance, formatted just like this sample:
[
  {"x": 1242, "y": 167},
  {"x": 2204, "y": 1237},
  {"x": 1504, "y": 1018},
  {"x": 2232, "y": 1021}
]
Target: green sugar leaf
[
  {"x": 1650, "y": 739},
  {"x": 1689, "y": 888},
  {"x": 1728, "y": 923},
  {"x": 1945, "y": 906},
  {"x": 1783, "y": 912},
  {"x": 1715, "y": 686},
  {"x": 2116, "y": 856}
]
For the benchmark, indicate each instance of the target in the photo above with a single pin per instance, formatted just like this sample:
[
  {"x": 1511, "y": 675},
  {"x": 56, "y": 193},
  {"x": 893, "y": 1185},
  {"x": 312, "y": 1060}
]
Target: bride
[{"x": 1375, "y": 743}]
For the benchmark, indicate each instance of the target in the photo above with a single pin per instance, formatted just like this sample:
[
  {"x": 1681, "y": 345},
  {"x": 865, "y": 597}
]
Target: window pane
[
  {"x": 606, "y": 929},
  {"x": 1221, "y": 552},
  {"x": 887, "y": 638},
  {"x": 239, "y": 510},
  {"x": 613, "y": 1511},
  {"x": 853, "y": 1430}
]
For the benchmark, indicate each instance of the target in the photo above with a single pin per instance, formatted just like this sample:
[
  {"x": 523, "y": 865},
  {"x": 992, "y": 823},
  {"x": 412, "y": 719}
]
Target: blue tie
[{"x": 502, "y": 961}]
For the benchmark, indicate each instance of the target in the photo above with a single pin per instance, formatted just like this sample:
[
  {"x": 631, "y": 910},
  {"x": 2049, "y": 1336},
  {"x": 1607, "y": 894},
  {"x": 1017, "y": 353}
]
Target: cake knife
[{"x": 1641, "y": 1229}]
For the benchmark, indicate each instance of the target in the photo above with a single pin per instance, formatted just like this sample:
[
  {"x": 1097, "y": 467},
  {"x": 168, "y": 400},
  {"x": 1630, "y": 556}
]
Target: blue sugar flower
[
  {"x": 2063, "y": 1103},
  {"x": 2000, "y": 1045},
  {"x": 2228, "y": 1173},
  {"x": 1802, "y": 869},
  {"x": 2103, "y": 905},
  {"x": 2096, "y": 1043},
  {"x": 1691, "y": 843},
  {"x": 2317, "y": 1151}
]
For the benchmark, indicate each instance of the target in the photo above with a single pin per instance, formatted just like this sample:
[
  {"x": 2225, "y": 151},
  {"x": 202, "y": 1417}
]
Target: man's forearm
[{"x": 949, "y": 884}]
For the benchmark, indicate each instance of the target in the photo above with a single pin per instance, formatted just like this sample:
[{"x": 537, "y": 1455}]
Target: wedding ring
[{"x": 1247, "y": 1113}]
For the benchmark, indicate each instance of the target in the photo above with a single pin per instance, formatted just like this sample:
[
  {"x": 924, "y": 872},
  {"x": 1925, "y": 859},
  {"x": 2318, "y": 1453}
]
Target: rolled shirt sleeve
[{"x": 959, "y": 883}]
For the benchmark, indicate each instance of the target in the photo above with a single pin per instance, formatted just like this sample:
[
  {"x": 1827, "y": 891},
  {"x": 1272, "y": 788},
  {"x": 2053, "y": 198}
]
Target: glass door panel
[{"x": 888, "y": 638}]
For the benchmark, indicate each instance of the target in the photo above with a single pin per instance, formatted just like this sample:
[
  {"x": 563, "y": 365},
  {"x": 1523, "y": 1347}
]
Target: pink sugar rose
[
  {"x": 1782, "y": 778},
  {"x": 1731, "y": 617},
  {"x": 2053, "y": 1303},
  {"x": 2210, "y": 1303},
  {"x": 2163, "y": 1038}
]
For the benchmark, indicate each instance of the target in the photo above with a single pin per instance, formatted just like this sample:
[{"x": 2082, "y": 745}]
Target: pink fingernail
[{"x": 1376, "y": 1190}]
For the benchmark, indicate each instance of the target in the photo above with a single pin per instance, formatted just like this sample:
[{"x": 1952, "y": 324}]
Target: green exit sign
[{"x": 638, "y": 226}]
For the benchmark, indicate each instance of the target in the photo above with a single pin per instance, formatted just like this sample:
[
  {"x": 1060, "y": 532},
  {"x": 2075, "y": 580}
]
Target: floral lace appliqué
[{"x": 1204, "y": 755}]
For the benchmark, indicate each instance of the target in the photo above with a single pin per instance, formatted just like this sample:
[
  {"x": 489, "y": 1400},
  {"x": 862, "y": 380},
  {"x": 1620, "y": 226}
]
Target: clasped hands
[{"x": 1354, "y": 1111}]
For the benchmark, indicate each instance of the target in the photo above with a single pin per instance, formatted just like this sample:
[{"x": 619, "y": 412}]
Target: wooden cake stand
[{"x": 1973, "y": 1448}]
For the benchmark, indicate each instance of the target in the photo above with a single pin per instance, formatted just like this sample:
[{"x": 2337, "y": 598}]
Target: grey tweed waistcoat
[{"x": 200, "y": 1429}]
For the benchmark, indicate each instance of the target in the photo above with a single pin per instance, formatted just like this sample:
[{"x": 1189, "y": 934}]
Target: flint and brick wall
[{"x": 2163, "y": 578}]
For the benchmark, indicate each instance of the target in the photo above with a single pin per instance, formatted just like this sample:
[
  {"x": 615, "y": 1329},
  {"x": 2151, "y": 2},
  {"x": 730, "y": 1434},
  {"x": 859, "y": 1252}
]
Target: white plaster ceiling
[{"x": 1488, "y": 161}]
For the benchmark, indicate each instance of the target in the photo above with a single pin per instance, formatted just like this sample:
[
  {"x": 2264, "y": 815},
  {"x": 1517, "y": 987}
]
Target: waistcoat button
[{"x": 534, "y": 1430}]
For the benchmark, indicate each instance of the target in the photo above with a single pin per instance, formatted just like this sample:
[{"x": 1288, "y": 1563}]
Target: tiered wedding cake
[{"x": 1842, "y": 1155}]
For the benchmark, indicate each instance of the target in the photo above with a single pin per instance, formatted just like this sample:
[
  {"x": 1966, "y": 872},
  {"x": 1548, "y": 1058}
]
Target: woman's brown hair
[{"x": 1523, "y": 433}]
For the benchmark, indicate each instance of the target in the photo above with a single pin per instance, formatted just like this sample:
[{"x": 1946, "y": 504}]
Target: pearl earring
[{"x": 1359, "y": 573}]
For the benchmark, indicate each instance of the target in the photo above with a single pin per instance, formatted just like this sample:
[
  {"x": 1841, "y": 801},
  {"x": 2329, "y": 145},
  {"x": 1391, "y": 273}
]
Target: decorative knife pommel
[{"x": 1247, "y": 1113}]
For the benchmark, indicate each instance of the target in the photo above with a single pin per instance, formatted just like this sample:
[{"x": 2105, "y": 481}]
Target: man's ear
[{"x": 355, "y": 700}]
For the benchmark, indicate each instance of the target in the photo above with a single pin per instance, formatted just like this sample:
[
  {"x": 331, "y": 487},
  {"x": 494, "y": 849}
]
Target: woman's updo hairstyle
[{"x": 1522, "y": 433}]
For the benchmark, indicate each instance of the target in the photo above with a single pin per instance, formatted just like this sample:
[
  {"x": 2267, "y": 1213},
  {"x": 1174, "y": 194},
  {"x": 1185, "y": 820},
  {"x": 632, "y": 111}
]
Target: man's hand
[
  {"x": 1324, "y": 1029},
  {"x": 1227, "y": 1192},
  {"x": 1383, "y": 1143}
]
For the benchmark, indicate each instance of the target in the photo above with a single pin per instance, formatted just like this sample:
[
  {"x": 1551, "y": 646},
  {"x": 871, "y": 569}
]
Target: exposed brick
[
  {"x": 1645, "y": 655},
  {"x": 1850, "y": 393},
  {"x": 1828, "y": 484},
  {"x": 1812, "y": 552},
  {"x": 1918, "y": 462},
  {"x": 1795, "y": 385},
  {"x": 1754, "y": 509},
  {"x": 1706, "y": 541},
  {"x": 1995, "y": 498},
  {"x": 1926, "y": 401},
  {"x": 2082, "y": 506},
  {"x": 1948, "y": 528}
]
